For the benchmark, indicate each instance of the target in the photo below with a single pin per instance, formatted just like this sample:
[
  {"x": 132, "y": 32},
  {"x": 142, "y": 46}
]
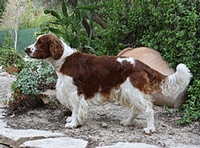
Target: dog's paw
[
  {"x": 126, "y": 122},
  {"x": 70, "y": 125},
  {"x": 69, "y": 119},
  {"x": 149, "y": 131}
]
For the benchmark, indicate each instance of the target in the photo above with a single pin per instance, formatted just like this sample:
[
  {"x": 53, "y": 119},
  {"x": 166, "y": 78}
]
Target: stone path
[{"x": 32, "y": 138}]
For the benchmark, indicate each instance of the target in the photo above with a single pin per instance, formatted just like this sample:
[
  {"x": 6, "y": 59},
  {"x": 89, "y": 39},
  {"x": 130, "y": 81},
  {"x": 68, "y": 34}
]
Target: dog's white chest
[{"x": 65, "y": 89}]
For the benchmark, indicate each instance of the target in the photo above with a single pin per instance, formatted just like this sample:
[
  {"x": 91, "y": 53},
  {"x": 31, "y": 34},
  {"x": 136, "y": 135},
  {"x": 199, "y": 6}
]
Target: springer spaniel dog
[{"x": 85, "y": 80}]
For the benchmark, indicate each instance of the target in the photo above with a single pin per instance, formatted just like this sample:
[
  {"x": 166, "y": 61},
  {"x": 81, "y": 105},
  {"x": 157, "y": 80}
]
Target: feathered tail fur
[{"x": 177, "y": 82}]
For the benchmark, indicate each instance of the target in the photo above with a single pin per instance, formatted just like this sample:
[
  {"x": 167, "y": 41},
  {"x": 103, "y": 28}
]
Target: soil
[{"x": 103, "y": 127}]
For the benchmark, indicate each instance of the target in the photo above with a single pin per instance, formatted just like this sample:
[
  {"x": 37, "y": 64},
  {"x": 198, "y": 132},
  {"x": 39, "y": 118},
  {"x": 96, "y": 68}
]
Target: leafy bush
[
  {"x": 2, "y": 8},
  {"x": 171, "y": 27},
  {"x": 10, "y": 58},
  {"x": 192, "y": 108},
  {"x": 37, "y": 76}
]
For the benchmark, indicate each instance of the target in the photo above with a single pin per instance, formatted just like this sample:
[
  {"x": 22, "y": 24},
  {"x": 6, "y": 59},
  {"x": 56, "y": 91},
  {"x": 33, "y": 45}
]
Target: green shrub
[
  {"x": 171, "y": 27},
  {"x": 35, "y": 77},
  {"x": 2, "y": 8},
  {"x": 192, "y": 108},
  {"x": 9, "y": 58}
]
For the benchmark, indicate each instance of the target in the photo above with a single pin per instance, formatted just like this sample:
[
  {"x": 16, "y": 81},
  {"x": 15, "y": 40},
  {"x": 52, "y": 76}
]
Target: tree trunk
[{"x": 16, "y": 23}]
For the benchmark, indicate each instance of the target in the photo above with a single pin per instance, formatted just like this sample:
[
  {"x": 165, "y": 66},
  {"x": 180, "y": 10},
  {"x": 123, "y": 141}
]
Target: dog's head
[{"x": 46, "y": 46}]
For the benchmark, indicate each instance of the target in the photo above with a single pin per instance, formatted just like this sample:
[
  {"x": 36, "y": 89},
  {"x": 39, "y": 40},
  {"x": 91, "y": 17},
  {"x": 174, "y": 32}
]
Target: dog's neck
[{"x": 56, "y": 64}]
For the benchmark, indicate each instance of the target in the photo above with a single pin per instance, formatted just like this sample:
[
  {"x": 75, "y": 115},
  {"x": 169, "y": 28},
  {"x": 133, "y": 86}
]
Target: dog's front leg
[
  {"x": 79, "y": 111},
  {"x": 72, "y": 121}
]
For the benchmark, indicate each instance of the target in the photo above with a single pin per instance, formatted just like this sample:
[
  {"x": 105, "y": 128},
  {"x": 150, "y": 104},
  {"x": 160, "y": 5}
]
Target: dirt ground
[{"x": 103, "y": 126}]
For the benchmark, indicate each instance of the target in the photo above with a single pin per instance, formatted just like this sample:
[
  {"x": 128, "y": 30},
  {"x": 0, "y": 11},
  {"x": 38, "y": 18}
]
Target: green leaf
[
  {"x": 89, "y": 6},
  {"x": 55, "y": 14},
  {"x": 57, "y": 31},
  {"x": 44, "y": 29},
  {"x": 65, "y": 22},
  {"x": 47, "y": 11},
  {"x": 64, "y": 9},
  {"x": 57, "y": 23}
]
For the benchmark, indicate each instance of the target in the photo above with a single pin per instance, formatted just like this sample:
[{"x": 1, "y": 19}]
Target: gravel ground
[{"x": 103, "y": 124}]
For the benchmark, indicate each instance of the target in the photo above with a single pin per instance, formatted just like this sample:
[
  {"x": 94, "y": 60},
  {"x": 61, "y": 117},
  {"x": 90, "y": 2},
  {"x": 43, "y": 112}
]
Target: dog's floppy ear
[{"x": 56, "y": 48}]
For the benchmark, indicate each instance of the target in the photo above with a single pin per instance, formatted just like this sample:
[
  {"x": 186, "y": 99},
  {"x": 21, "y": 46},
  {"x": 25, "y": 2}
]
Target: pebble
[
  {"x": 161, "y": 143},
  {"x": 121, "y": 131},
  {"x": 104, "y": 125}
]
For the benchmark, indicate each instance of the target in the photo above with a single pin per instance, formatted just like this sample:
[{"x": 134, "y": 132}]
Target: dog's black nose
[{"x": 27, "y": 50}]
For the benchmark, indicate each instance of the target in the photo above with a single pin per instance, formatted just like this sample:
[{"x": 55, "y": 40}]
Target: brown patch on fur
[
  {"x": 48, "y": 46},
  {"x": 146, "y": 79},
  {"x": 92, "y": 74}
]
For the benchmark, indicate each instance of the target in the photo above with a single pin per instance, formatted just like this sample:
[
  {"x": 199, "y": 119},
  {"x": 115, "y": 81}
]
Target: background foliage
[
  {"x": 2, "y": 7},
  {"x": 9, "y": 57}
]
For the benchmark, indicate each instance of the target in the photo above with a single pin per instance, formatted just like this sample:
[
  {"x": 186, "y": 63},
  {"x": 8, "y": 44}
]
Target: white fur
[
  {"x": 68, "y": 96},
  {"x": 32, "y": 48},
  {"x": 177, "y": 82},
  {"x": 131, "y": 60},
  {"x": 137, "y": 102}
]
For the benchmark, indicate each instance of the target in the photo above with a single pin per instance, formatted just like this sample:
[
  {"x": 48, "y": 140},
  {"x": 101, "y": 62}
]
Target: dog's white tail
[{"x": 177, "y": 82}]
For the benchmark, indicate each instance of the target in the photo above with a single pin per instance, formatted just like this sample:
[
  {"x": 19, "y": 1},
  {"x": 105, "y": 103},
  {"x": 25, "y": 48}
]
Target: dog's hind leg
[
  {"x": 149, "y": 113},
  {"x": 137, "y": 102},
  {"x": 129, "y": 121}
]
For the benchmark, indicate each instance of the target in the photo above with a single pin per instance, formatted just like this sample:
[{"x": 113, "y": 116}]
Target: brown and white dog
[{"x": 85, "y": 79}]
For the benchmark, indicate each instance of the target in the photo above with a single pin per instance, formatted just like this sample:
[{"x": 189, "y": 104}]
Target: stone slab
[
  {"x": 186, "y": 146},
  {"x": 62, "y": 142},
  {"x": 15, "y": 135},
  {"x": 130, "y": 145}
]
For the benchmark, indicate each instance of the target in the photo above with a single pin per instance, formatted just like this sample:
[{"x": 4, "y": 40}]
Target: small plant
[
  {"x": 10, "y": 59},
  {"x": 192, "y": 108},
  {"x": 170, "y": 111},
  {"x": 35, "y": 77}
]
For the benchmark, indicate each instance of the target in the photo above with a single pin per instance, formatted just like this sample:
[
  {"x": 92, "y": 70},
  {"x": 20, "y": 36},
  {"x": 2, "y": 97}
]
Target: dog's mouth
[{"x": 28, "y": 51}]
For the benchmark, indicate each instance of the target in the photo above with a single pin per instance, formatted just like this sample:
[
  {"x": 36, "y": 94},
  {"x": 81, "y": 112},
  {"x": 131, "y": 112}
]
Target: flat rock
[
  {"x": 4, "y": 74},
  {"x": 61, "y": 142},
  {"x": 49, "y": 98},
  {"x": 186, "y": 146},
  {"x": 30, "y": 133},
  {"x": 14, "y": 137},
  {"x": 130, "y": 145}
]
